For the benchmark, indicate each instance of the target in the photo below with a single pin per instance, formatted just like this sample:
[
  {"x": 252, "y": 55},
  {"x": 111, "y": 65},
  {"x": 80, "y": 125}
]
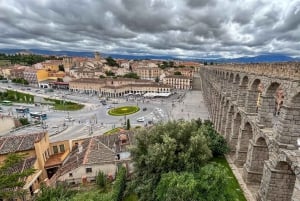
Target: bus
[
  {"x": 22, "y": 110},
  {"x": 6, "y": 102},
  {"x": 38, "y": 115}
]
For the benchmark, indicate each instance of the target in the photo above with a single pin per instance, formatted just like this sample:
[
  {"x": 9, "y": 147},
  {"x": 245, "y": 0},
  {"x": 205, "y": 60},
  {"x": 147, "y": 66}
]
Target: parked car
[
  {"x": 69, "y": 119},
  {"x": 140, "y": 119},
  {"x": 144, "y": 109}
]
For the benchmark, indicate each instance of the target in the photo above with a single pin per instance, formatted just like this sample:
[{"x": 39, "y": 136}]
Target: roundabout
[{"x": 124, "y": 110}]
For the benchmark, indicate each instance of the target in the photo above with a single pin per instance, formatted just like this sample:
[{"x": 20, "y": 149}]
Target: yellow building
[
  {"x": 38, "y": 152},
  {"x": 42, "y": 75}
]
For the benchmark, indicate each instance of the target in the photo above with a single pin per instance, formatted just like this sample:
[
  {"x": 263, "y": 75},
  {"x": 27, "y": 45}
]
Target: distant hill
[
  {"x": 259, "y": 59},
  {"x": 254, "y": 59}
]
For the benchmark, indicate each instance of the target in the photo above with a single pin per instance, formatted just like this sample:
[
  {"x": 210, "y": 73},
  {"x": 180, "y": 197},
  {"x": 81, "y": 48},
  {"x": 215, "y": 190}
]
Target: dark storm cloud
[{"x": 193, "y": 28}]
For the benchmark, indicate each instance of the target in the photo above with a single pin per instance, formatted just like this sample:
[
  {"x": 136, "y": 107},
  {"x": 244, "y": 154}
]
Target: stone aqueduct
[{"x": 257, "y": 109}]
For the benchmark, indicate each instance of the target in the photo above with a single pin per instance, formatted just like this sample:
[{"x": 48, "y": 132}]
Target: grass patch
[
  {"x": 131, "y": 197},
  {"x": 125, "y": 110},
  {"x": 233, "y": 186},
  {"x": 113, "y": 131},
  {"x": 64, "y": 105},
  {"x": 16, "y": 96}
]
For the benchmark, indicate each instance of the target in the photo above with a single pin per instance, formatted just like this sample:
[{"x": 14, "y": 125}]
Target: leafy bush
[
  {"x": 24, "y": 121},
  {"x": 216, "y": 142},
  {"x": 101, "y": 179}
]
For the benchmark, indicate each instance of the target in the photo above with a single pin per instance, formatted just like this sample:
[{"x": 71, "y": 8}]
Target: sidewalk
[{"x": 238, "y": 176}]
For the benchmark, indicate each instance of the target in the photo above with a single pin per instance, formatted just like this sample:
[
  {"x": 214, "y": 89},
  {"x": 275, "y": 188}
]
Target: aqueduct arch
[
  {"x": 258, "y": 154},
  {"x": 245, "y": 134},
  {"x": 267, "y": 111},
  {"x": 279, "y": 182},
  {"x": 256, "y": 107},
  {"x": 253, "y": 96},
  {"x": 236, "y": 124}
]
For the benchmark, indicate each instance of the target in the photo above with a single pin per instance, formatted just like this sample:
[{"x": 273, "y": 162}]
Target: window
[
  {"x": 55, "y": 149},
  {"x": 62, "y": 148},
  {"x": 70, "y": 174},
  {"x": 88, "y": 170}
]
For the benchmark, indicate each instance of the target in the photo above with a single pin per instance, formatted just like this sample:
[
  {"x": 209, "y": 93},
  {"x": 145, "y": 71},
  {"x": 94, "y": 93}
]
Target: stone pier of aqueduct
[{"x": 256, "y": 108}]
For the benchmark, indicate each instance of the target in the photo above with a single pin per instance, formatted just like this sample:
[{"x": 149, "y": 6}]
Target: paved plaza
[
  {"x": 191, "y": 107},
  {"x": 93, "y": 119}
]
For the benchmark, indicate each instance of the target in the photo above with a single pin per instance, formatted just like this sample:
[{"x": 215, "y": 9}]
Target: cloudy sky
[{"x": 191, "y": 28}]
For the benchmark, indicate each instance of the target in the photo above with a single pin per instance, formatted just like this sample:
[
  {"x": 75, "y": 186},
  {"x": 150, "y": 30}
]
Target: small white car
[
  {"x": 140, "y": 119},
  {"x": 69, "y": 119}
]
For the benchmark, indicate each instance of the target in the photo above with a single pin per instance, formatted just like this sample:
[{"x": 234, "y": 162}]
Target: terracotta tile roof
[
  {"x": 98, "y": 153},
  {"x": 92, "y": 152},
  {"x": 19, "y": 142},
  {"x": 23, "y": 165},
  {"x": 95, "y": 150}
]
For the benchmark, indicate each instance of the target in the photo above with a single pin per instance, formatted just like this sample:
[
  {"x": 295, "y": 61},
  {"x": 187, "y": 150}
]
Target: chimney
[{"x": 80, "y": 148}]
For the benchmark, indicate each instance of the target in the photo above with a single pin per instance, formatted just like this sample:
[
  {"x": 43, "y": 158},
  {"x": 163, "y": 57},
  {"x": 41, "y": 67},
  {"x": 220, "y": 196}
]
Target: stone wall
[
  {"x": 256, "y": 107},
  {"x": 6, "y": 123}
]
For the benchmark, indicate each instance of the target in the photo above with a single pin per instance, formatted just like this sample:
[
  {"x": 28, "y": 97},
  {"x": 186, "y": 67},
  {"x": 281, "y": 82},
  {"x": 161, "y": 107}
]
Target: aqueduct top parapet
[{"x": 286, "y": 70}]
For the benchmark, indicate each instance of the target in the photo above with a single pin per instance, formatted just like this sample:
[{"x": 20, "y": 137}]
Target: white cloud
[{"x": 194, "y": 28}]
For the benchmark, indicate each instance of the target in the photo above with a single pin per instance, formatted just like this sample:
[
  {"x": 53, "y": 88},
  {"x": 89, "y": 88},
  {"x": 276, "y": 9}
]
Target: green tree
[
  {"x": 175, "y": 186},
  {"x": 109, "y": 73},
  {"x": 213, "y": 183},
  {"x": 128, "y": 124},
  {"x": 174, "y": 146},
  {"x": 216, "y": 142},
  {"x": 61, "y": 192},
  {"x": 24, "y": 121},
  {"x": 111, "y": 62},
  {"x": 101, "y": 179},
  {"x": 61, "y": 67},
  {"x": 11, "y": 181},
  {"x": 177, "y": 73},
  {"x": 157, "y": 79},
  {"x": 131, "y": 75},
  {"x": 101, "y": 76},
  {"x": 209, "y": 184}
]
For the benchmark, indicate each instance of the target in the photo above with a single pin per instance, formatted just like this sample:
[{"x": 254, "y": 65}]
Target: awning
[{"x": 29, "y": 183}]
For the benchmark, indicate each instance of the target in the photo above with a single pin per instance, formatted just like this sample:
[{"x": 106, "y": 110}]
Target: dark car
[{"x": 144, "y": 109}]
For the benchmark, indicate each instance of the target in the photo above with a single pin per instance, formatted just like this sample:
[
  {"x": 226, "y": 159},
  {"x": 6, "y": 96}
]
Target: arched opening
[
  {"x": 222, "y": 102},
  {"x": 236, "y": 124},
  {"x": 270, "y": 105},
  {"x": 288, "y": 126},
  {"x": 219, "y": 114},
  {"x": 229, "y": 84},
  {"x": 228, "y": 127},
  {"x": 235, "y": 86},
  {"x": 242, "y": 92},
  {"x": 242, "y": 147},
  {"x": 278, "y": 183},
  {"x": 253, "y": 97},
  {"x": 223, "y": 118},
  {"x": 258, "y": 153}
]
